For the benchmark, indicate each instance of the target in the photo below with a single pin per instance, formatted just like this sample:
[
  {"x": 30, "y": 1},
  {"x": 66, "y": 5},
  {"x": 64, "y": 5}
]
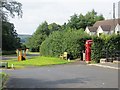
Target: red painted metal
[{"x": 88, "y": 50}]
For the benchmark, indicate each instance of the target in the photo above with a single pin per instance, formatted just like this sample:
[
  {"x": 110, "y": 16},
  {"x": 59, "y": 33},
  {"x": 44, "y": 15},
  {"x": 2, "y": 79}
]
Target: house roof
[
  {"x": 106, "y": 27},
  {"x": 92, "y": 29},
  {"x": 110, "y": 22}
]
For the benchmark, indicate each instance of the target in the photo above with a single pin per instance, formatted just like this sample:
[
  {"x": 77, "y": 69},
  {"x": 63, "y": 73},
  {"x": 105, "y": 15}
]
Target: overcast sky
[{"x": 59, "y": 11}]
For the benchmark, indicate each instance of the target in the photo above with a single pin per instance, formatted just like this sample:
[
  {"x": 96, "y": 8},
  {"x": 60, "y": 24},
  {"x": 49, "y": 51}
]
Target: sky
[{"x": 59, "y": 11}]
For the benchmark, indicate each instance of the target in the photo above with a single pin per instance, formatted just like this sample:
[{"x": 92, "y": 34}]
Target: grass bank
[
  {"x": 37, "y": 61},
  {"x": 3, "y": 78}
]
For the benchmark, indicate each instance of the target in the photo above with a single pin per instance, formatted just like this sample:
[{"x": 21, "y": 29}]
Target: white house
[
  {"x": 117, "y": 29},
  {"x": 104, "y": 27},
  {"x": 91, "y": 30}
]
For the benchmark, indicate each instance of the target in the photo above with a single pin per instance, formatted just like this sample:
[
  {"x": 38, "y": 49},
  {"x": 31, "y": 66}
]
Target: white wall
[
  {"x": 117, "y": 28},
  {"x": 112, "y": 31},
  {"x": 93, "y": 33},
  {"x": 99, "y": 30},
  {"x": 106, "y": 32},
  {"x": 87, "y": 30}
]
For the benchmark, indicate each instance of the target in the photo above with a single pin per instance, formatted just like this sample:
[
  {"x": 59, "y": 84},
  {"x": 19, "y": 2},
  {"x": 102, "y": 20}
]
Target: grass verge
[
  {"x": 93, "y": 62},
  {"x": 37, "y": 61},
  {"x": 3, "y": 78}
]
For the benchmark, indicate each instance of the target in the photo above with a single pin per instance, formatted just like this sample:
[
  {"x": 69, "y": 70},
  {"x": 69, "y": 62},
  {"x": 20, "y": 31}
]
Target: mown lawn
[{"x": 37, "y": 61}]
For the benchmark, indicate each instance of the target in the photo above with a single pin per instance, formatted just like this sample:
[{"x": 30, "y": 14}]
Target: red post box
[{"x": 88, "y": 50}]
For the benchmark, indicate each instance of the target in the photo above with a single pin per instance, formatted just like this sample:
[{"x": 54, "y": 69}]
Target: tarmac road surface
[
  {"x": 63, "y": 76},
  {"x": 9, "y": 57}
]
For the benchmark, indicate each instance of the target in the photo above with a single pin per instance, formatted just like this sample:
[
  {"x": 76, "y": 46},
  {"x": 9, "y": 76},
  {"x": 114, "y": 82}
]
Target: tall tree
[
  {"x": 73, "y": 22},
  {"x": 38, "y": 37},
  {"x": 41, "y": 33},
  {"x": 11, "y": 7},
  {"x": 92, "y": 17},
  {"x": 10, "y": 40},
  {"x": 81, "y": 21},
  {"x": 54, "y": 27}
]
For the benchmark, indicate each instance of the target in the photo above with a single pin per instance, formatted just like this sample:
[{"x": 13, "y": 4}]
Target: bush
[
  {"x": 71, "y": 41},
  {"x": 112, "y": 45},
  {"x": 105, "y": 46},
  {"x": 3, "y": 78},
  {"x": 97, "y": 47}
]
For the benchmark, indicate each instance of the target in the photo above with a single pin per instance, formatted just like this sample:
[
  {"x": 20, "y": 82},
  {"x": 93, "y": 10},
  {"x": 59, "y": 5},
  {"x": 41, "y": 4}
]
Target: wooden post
[
  {"x": 25, "y": 53},
  {"x": 20, "y": 55}
]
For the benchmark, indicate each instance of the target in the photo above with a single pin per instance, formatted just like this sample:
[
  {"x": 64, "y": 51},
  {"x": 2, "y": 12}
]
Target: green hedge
[
  {"x": 70, "y": 40},
  {"x": 96, "y": 52},
  {"x": 105, "y": 44}
]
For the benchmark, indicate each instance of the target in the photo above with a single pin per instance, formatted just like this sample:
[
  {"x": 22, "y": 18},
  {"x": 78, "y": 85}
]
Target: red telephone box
[{"x": 88, "y": 50}]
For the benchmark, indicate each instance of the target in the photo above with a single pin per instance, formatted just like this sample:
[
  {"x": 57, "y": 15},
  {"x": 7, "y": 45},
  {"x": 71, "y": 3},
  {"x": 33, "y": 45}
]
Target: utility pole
[
  {"x": 0, "y": 29},
  {"x": 118, "y": 9},
  {"x": 114, "y": 16},
  {"x": 113, "y": 10}
]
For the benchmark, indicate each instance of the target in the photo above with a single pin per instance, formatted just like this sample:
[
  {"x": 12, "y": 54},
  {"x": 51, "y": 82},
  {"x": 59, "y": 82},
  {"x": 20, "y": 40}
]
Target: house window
[
  {"x": 100, "y": 34},
  {"x": 118, "y": 32}
]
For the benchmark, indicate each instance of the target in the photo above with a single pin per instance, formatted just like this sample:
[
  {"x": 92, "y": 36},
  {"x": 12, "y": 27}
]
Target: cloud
[{"x": 59, "y": 11}]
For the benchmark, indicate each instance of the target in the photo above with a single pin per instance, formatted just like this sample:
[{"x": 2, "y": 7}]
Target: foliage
[
  {"x": 76, "y": 22},
  {"x": 81, "y": 21},
  {"x": 111, "y": 44},
  {"x": 54, "y": 27},
  {"x": 10, "y": 39},
  {"x": 38, "y": 37},
  {"x": 42, "y": 32},
  {"x": 23, "y": 46},
  {"x": 97, "y": 46},
  {"x": 105, "y": 46},
  {"x": 12, "y": 8},
  {"x": 3, "y": 78},
  {"x": 69, "y": 40},
  {"x": 37, "y": 61}
]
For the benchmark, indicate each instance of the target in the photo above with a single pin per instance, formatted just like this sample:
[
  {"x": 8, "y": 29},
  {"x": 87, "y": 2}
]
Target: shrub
[
  {"x": 97, "y": 47},
  {"x": 71, "y": 41},
  {"x": 105, "y": 46},
  {"x": 113, "y": 45}
]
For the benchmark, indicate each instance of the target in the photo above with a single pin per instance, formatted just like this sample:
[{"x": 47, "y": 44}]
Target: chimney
[
  {"x": 113, "y": 10},
  {"x": 119, "y": 9}
]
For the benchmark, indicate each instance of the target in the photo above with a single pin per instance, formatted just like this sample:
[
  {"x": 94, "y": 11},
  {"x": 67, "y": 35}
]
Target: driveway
[{"x": 63, "y": 76}]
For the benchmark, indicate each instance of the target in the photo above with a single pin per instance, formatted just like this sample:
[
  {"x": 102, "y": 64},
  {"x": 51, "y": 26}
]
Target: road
[
  {"x": 9, "y": 57},
  {"x": 63, "y": 76}
]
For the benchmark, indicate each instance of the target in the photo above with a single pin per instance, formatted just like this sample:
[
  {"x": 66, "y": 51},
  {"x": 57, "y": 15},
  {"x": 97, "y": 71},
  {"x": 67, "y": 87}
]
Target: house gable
[
  {"x": 104, "y": 29},
  {"x": 87, "y": 30},
  {"x": 117, "y": 29},
  {"x": 99, "y": 31},
  {"x": 91, "y": 30}
]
